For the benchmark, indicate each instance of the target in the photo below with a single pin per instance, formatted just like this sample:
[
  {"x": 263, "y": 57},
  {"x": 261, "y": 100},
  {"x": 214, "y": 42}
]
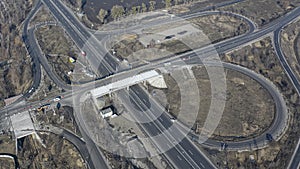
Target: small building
[{"x": 105, "y": 113}]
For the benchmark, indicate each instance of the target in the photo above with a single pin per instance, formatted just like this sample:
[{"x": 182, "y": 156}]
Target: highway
[
  {"x": 178, "y": 149},
  {"x": 90, "y": 44},
  {"x": 100, "y": 61},
  {"x": 88, "y": 153},
  {"x": 106, "y": 66},
  {"x": 295, "y": 161},
  {"x": 221, "y": 47},
  {"x": 102, "y": 35}
]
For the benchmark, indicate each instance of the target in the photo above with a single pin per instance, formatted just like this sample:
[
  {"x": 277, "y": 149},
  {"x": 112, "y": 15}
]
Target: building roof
[{"x": 106, "y": 111}]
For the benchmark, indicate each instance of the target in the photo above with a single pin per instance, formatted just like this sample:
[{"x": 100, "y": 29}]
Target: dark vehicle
[
  {"x": 170, "y": 37},
  {"x": 269, "y": 137}
]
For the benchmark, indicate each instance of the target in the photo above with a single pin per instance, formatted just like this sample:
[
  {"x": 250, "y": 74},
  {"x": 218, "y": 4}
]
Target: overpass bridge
[{"x": 124, "y": 83}]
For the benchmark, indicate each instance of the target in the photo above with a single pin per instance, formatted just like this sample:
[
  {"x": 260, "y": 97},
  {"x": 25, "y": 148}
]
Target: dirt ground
[
  {"x": 15, "y": 65},
  {"x": 113, "y": 137},
  {"x": 133, "y": 48},
  {"x": 62, "y": 118},
  {"x": 260, "y": 57},
  {"x": 262, "y": 11},
  {"x": 290, "y": 41},
  {"x": 90, "y": 8},
  {"x": 46, "y": 89},
  {"x": 7, "y": 145},
  {"x": 56, "y": 153},
  {"x": 43, "y": 15},
  {"x": 248, "y": 105},
  {"x": 7, "y": 163},
  {"x": 220, "y": 27},
  {"x": 57, "y": 48}
]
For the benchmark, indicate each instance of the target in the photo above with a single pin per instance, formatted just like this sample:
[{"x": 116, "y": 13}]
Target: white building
[{"x": 105, "y": 113}]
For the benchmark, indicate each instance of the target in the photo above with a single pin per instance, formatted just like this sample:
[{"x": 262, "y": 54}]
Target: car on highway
[
  {"x": 173, "y": 119},
  {"x": 83, "y": 53},
  {"x": 31, "y": 90},
  {"x": 56, "y": 99}
]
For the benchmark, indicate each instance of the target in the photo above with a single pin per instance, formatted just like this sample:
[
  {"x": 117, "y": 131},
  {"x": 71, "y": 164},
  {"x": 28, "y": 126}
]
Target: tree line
[{"x": 117, "y": 11}]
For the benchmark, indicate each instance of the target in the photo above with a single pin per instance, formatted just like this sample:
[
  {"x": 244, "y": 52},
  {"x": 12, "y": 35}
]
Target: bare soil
[
  {"x": 260, "y": 57},
  {"x": 7, "y": 144},
  {"x": 91, "y": 8},
  {"x": 47, "y": 88},
  {"x": 214, "y": 27},
  {"x": 7, "y": 163},
  {"x": 57, "y": 153},
  {"x": 290, "y": 41},
  {"x": 57, "y": 48},
  {"x": 248, "y": 105},
  {"x": 43, "y": 15},
  {"x": 220, "y": 27},
  {"x": 15, "y": 65},
  {"x": 263, "y": 11},
  {"x": 62, "y": 118}
]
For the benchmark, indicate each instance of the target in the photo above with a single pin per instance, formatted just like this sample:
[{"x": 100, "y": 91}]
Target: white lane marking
[{"x": 202, "y": 165}]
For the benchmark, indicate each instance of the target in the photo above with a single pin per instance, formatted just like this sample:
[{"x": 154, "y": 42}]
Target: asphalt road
[
  {"x": 88, "y": 150},
  {"x": 97, "y": 54},
  {"x": 99, "y": 60},
  {"x": 34, "y": 46},
  {"x": 174, "y": 144},
  {"x": 17, "y": 165},
  {"x": 39, "y": 59},
  {"x": 97, "y": 157},
  {"x": 278, "y": 125},
  {"x": 295, "y": 161},
  {"x": 167, "y": 20},
  {"x": 36, "y": 68},
  {"x": 232, "y": 43},
  {"x": 81, "y": 147}
]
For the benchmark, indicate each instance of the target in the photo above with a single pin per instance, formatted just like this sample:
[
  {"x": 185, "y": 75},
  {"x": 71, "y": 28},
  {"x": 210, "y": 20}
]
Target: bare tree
[
  {"x": 102, "y": 15},
  {"x": 168, "y": 3},
  {"x": 144, "y": 7},
  {"x": 138, "y": 8},
  {"x": 133, "y": 10},
  {"x": 152, "y": 5},
  {"x": 117, "y": 11}
]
